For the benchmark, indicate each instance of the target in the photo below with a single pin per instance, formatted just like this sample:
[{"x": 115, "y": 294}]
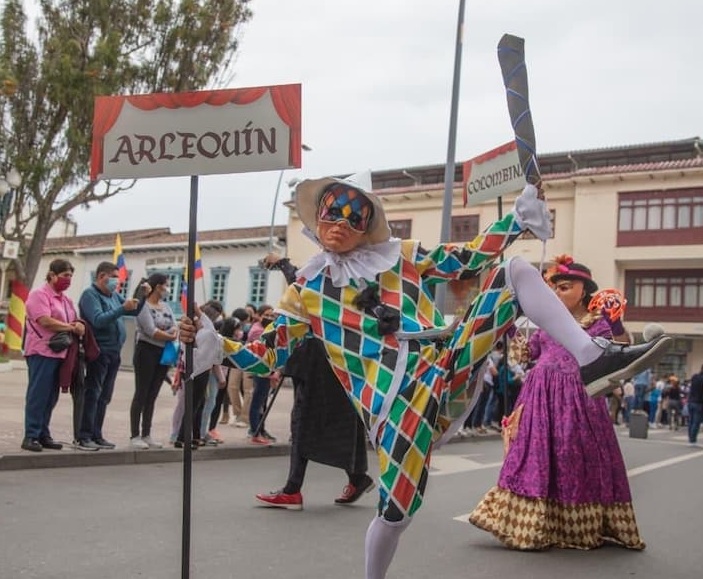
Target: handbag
[
  {"x": 60, "y": 341},
  {"x": 169, "y": 355}
]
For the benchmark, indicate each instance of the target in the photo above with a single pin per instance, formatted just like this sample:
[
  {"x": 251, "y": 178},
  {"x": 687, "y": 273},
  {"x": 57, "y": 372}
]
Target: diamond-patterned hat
[{"x": 309, "y": 192}]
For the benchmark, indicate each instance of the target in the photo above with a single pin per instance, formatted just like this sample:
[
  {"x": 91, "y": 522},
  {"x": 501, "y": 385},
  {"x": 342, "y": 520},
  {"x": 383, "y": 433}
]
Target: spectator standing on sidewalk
[
  {"x": 49, "y": 311},
  {"x": 156, "y": 325},
  {"x": 240, "y": 385},
  {"x": 695, "y": 407},
  {"x": 103, "y": 309},
  {"x": 628, "y": 400},
  {"x": 643, "y": 384},
  {"x": 262, "y": 384}
]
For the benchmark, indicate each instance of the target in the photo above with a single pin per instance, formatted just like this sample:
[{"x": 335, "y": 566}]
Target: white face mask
[{"x": 165, "y": 293}]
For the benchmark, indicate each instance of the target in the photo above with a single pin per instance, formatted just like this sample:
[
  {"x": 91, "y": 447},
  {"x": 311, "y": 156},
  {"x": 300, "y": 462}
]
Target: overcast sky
[{"x": 377, "y": 78}]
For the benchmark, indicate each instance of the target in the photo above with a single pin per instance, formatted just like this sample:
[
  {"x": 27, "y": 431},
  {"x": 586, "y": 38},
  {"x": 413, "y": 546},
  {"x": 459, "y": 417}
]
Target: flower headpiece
[{"x": 566, "y": 268}]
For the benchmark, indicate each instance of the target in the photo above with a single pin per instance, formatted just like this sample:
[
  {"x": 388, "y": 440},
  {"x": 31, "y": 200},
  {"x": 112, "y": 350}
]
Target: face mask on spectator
[{"x": 62, "y": 284}]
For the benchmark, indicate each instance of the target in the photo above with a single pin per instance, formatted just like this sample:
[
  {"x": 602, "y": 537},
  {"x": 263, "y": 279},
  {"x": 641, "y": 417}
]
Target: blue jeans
[
  {"x": 628, "y": 406},
  {"x": 476, "y": 417},
  {"x": 639, "y": 396},
  {"x": 653, "y": 411},
  {"x": 490, "y": 410},
  {"x": 209, "y": 405},
  {"x": 258, "y": 401},
  {"x": 42, "y": 395},
  {"x": 100, "y": 379},
  {"x": 695, "y": 416}
]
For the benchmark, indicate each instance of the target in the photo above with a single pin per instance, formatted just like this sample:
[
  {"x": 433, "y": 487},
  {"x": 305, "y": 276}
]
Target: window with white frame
[
  {"x": 258, "y": 281},
  {"x": 669, "y": 217},
  {"x": 218, "y": 284},
  {"x": 664, "y": 294}
]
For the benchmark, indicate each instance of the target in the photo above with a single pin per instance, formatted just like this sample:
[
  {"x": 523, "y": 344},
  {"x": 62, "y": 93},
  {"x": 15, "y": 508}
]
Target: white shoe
[
  {"x": 151, "y": 443},
  {"x": 240, "y": 423},
  {"x": 138, "y": 443}
]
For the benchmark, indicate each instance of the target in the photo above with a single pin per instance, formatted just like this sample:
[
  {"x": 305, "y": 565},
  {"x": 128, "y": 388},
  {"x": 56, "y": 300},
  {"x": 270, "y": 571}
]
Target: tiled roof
[
  {"x": 687, "y": 143},
  {"x": 634, "y": 168},
  {"x": 142, "y": 239}
]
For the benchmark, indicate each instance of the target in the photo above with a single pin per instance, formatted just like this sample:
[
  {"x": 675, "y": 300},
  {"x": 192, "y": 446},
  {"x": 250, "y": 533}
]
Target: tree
[{"x": 51, "y": 71}]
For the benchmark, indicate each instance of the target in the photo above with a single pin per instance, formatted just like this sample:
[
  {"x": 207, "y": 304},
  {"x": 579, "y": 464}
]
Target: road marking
[
  {"x": 442, "y": 464},
  {"x": 662, "y": 464}
]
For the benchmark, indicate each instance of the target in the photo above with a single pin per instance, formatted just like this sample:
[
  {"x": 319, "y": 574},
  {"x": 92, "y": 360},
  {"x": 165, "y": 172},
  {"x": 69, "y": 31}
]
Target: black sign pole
[{"x": 188, "y": 384}]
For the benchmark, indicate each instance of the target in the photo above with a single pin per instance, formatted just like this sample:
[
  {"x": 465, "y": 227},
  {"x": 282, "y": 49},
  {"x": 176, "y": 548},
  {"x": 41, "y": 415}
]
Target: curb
[
  {"x": 69, "y": 457},
  {"x": 77, "y": 458}
]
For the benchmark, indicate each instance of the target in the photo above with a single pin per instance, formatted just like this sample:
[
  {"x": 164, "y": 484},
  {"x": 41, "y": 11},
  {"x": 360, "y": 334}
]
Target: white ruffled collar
[{"x": 365, "y": 262}]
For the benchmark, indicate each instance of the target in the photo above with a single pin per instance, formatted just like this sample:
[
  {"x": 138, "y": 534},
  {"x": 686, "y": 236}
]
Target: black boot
[
  {"x": 619, "y": 362},
  {"x": 31, "y": 444}
]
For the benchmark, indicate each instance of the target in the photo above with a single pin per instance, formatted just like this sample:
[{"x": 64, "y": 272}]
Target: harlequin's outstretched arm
[
  {"x": 261, "y": 357},
  {"x": 450, "y": 261},
  {"x": 271, "y": 351}
]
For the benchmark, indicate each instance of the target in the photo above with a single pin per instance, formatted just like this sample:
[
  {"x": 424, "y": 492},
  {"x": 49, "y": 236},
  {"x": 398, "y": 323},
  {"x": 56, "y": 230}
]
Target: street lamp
[
  {"x": 8, "y": 184},
  {"x": 291, "y": 183}
]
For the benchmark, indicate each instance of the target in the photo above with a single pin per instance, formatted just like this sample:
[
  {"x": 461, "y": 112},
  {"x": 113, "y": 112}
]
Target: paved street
[{"x": 118, "y": 522}]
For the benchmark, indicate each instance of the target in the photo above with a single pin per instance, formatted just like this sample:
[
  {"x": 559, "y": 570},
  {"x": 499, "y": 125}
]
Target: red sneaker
[
  {"x": 292, "y": 502},
  {"x": 260, "y": 441},
  {"x": 351, "y": 493}
]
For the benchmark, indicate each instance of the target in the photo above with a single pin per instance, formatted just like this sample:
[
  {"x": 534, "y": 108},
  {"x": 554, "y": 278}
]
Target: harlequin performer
[{"x": 368, "y": 298}]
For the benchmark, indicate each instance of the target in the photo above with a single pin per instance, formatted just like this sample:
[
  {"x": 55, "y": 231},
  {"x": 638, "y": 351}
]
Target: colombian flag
[
  {"x": 118, "y": 260},
  {"x": 198, "y": 275},
  {"x": 15, "y": 315}
]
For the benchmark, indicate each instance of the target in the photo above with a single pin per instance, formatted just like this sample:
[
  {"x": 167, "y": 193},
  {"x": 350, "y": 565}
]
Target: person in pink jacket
[{"x": 49, "y": 311}]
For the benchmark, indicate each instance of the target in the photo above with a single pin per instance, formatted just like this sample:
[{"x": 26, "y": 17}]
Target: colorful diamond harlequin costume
[{"x": 407, "y": 386}]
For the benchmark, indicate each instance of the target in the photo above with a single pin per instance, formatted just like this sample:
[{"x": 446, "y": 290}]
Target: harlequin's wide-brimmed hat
[
  {"x": 566, "y": 268},
  {"x": 309, "y": 192}
]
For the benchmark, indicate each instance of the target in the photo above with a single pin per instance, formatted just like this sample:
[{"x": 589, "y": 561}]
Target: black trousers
[{"x": 149, "y": 375}]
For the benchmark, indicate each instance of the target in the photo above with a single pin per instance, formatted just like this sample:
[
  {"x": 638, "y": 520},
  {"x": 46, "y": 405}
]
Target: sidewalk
[{"x": 13, "y": 386}]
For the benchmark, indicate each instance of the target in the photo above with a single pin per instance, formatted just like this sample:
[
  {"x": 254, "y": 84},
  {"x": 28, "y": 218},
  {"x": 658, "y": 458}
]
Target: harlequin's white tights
[{"x": 381, "y": 542}]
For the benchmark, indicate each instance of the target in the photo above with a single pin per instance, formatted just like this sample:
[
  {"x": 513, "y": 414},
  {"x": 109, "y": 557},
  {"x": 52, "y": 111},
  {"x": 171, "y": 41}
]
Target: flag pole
[{"x": 188, "y": 385}]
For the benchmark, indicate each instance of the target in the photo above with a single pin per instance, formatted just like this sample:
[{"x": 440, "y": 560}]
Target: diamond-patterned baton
[{"x": 511, "y": 55}]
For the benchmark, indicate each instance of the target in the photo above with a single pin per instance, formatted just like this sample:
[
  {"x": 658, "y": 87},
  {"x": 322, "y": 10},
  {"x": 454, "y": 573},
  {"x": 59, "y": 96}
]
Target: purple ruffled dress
[{"x": 563, "y": 481}]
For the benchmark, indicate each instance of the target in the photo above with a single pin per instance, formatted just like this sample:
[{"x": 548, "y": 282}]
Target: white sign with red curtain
[
  {"x": 197, "y": 133},
  {"x": 493, "y": 174}
]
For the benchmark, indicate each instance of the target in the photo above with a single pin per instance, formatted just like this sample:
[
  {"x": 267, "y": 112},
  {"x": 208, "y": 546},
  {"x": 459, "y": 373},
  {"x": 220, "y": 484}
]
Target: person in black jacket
[{"x": 324, "y": 426}]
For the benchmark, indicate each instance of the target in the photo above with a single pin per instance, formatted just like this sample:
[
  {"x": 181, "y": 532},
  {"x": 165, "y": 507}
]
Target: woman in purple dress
[{"x": 563, "y": 481}]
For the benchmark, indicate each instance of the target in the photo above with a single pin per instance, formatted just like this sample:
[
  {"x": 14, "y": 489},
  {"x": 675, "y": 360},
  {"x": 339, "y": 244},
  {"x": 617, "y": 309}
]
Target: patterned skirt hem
[{"x": 529, "y": 524}]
